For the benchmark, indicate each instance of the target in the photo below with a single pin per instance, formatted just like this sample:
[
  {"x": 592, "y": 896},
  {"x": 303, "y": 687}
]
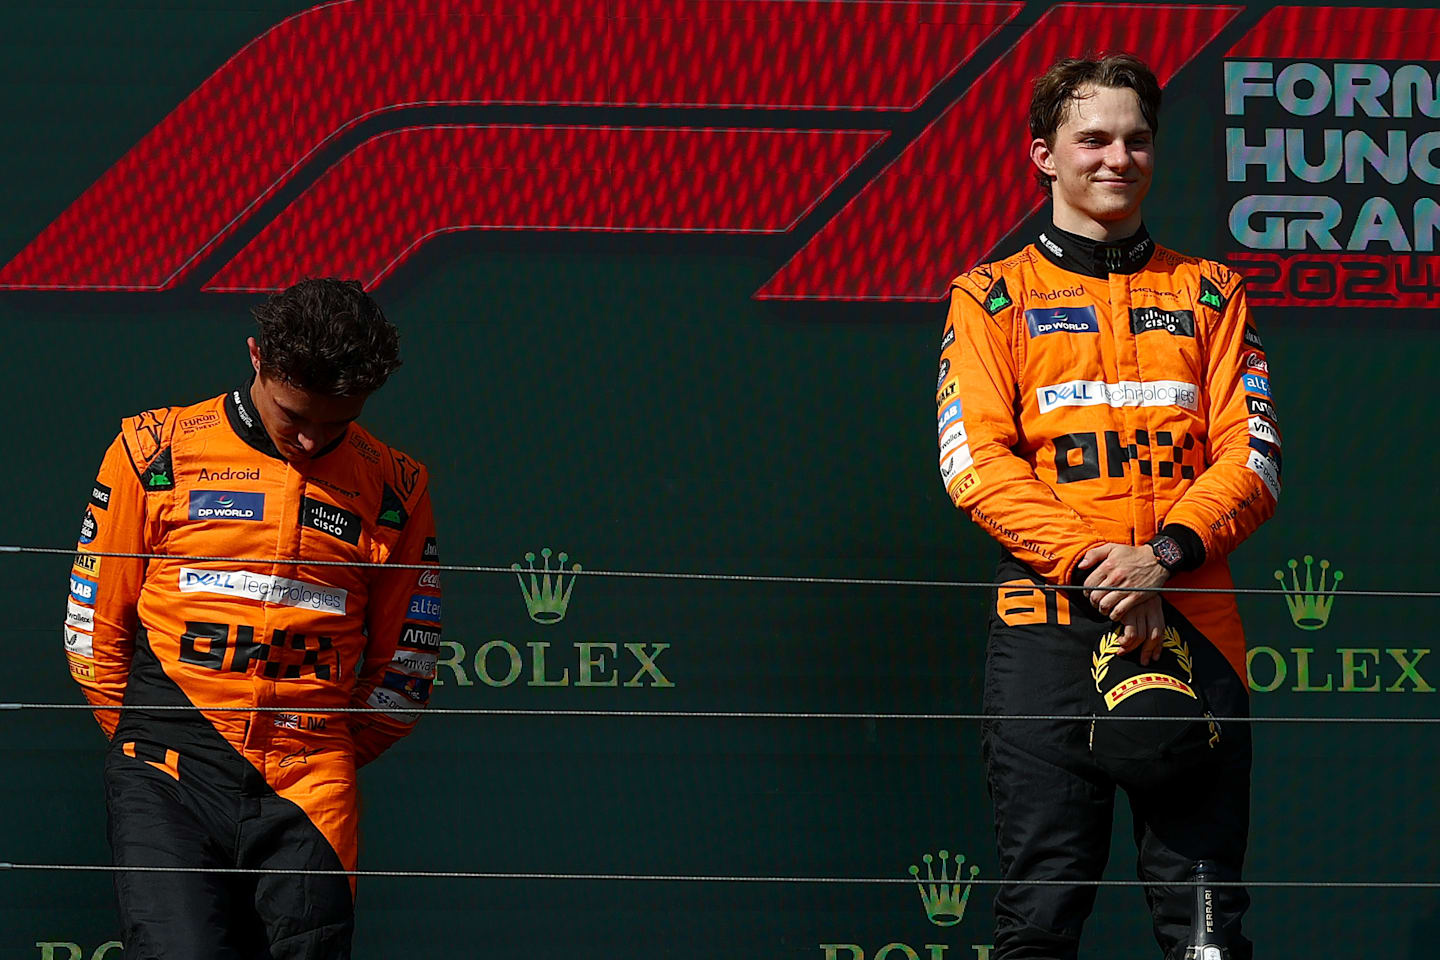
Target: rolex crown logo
[
  {"x": 1310, "y": 603},
  {"x": 944, "y": 896},
  {"x": 546, "y": 593}
]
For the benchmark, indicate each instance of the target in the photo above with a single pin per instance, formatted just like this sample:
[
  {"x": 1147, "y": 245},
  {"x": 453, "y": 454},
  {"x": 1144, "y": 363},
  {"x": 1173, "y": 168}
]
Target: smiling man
[
  {"x": 272, "y": 472},
  {"x": 1105, "y": 414}
]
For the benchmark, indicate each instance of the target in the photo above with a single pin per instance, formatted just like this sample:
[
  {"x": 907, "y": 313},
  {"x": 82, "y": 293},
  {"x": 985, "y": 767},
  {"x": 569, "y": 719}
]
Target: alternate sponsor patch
[
  {"x": 1178, "y": 323},
  {"x": 414, "y": 663},
  {"x": 100, "y": 495},
  {"x": 956, "y": 462},
  {"x": 1130, "y": 686},
  {"x": 424, "y": 608},
  {"x": 226, "y": 505},
  {"x": 1256, "y": 361},
  {"x": 1266, "y": 469},
  {"x": 952, "y": 437},
  {"x": 89, "y": 527},
  {"x": 79, "y": 616},
  {"x": 964, "y": 480},
  {"x": 1126, "y": 393},
  {"x": 392, "y": 510},
  {"x": 340, "y": 524},
  {"x": 1255, "y": 383},
  {"x": 944, "y": 372},
  {"x": 1265, "y": 430},
  {"x": 428, "y": 580},
  {"x": 263, "y": 588},
  {"x": 393, "y": 705},
  {"x": 431, "y": 553},
  {"x": 83, "y": 590},
  {"x": 416, "y": 689},
  {"x": 159, "y": 475},
  {"x": 1211, "y": 296},
  {"x": 1267, "y": 449},
  {"x": 1261, "y": 407},
  {"x": 949, "y": 415},
  {"x": 228, "y": 473},
  {"x": 1252, "y": 338},
  {"x": 1062, "y": 320},
  {"x": 199, "y": 422},
  {"x": 365, "y": 448},
  {"x": 79, "y": 643},
  {"x": 87, "y": 563},
  {"x": 406, "y": 473},
  {"x": 997, "y": 298},
  {"x": 947, "y": 391},
  {"x": 421, "y": 638},
  {"x": 948, "y": 339}
]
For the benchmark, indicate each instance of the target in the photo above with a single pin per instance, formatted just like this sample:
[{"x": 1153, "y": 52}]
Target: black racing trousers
[
  {"x": 172, "y": 810},
  {"x": 1053, "y": 806}
]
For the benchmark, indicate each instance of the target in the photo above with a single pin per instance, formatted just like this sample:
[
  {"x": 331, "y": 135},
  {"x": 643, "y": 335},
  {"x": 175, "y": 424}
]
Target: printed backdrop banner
[{"x": 669, "y": 278}]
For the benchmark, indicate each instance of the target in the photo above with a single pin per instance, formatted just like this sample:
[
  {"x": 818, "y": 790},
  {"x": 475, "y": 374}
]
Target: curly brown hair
[
  {"x": 1057, "y": 87},
  {"x": 327, "y": 336}
]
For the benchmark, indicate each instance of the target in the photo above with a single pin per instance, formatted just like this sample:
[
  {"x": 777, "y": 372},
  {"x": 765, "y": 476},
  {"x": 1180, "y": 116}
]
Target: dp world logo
[{"x": 945, "y": 885}]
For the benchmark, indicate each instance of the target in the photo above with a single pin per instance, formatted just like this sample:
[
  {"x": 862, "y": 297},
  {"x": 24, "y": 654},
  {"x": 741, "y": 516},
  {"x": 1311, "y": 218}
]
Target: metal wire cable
[
  {"x": 702, "y": 714},
  {"x": 719, "y": 878},
  {"x": 713, "y": 577}
]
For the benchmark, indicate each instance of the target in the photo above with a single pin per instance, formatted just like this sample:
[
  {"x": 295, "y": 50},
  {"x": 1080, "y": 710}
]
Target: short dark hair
[
  {"x": 327, "y": 336},
  {"x": 1057, "y": 87}
]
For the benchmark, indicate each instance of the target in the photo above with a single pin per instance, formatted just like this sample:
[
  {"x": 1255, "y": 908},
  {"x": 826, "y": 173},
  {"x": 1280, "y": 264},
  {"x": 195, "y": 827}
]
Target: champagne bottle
[{"x": 1206, "y": 940}]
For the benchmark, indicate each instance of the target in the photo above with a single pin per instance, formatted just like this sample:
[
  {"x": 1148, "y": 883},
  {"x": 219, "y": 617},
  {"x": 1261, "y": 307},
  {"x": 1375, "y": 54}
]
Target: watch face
[{"x": 1168, "y": 552}]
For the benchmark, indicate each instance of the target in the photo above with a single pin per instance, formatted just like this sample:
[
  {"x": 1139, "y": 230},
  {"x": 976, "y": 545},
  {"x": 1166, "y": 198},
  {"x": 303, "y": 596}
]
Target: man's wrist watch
[{"x": 1168, "y": 553}]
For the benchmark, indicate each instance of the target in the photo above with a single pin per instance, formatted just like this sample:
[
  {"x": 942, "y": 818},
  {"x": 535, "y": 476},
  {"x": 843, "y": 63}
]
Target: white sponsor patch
[
  {"x": 1264, "y": 467},
  {"x": 954, "y": 463},
  {"x": 1126, "y": 393},
  {"x": 263, "y": 588},
  {"x": 79, "y": 642},
  {"x": 1265, "y": 430},
  {"x": 395, "y": 706},
  {"x": 79, "y": 616},
  {"x": 955, "y": 435},
  {"x": 414, "y": 663}
]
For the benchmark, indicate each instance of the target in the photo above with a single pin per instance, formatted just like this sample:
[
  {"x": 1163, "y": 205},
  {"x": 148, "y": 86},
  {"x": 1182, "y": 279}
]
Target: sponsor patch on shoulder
[
  {"x": 997, "y": 298},
  {"x": 100, "y": 495}
]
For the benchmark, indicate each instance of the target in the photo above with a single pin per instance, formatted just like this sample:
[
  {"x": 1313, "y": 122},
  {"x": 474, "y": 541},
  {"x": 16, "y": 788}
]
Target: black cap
[{"x": 1149, "y": 753}]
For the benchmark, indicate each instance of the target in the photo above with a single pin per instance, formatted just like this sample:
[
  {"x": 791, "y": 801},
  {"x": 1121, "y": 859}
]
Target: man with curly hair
[
  {"x": 1105, "y": 413},
  {"x": 248, "y": 618}
]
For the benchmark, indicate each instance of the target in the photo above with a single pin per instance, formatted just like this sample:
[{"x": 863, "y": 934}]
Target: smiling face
[
  {"x": 300, "y": 422},
  {"x": 1100, "y": 159}
]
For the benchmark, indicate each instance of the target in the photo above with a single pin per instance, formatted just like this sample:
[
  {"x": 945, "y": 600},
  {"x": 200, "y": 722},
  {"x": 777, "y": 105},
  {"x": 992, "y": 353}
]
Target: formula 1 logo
[{"x": 254, "y": 127}]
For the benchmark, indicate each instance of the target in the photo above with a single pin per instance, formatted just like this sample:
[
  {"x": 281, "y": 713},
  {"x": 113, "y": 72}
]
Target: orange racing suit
[
  {"x": 1076, "y": 410},
  {"x": 246, "y": 629}
]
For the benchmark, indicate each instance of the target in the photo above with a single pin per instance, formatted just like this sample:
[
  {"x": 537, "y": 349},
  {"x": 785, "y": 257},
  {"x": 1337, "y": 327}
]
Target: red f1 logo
[{"x": 949, "y": 197}]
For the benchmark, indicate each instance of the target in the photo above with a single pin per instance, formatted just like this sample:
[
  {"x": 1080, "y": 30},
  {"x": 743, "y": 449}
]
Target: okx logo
[
  {"x": 260, "y": 124},
  {"x": 945, "y": 892},
  {"x": 556, "y": 660}
]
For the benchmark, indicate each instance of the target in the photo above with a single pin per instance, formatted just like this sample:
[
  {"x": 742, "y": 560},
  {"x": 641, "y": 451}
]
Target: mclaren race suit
[
  {"x": 248, "y": 789},
  {"x": 1093, "y": 393}
]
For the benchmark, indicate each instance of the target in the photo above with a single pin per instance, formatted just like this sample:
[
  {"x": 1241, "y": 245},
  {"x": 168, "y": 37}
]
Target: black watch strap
[{"x": 1170, "y": 554}]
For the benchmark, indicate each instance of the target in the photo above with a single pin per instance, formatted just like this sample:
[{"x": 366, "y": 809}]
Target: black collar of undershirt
[
  {"x": 245, "y": 421},
  {"x": 1070, "y": 251}
]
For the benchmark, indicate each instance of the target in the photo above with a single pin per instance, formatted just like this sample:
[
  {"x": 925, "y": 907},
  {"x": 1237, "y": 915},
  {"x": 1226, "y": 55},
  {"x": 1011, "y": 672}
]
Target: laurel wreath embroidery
[{"x": 1111, "y": 645}]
